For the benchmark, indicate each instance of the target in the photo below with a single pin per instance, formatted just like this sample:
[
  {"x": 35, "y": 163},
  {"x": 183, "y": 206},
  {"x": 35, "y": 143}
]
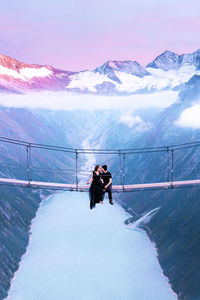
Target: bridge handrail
[
  {"x": 102, "y": 151},
  {"x": 169, "y": 151}
]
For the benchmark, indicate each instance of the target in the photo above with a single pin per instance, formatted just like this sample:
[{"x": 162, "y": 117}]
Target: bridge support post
[
  {"x": 76, "y": 169},
  {"x": 172, "y": 167},
  {"x": 168, "y": 164},
  {"x": 120, "y": 168},
  {"x": 28, "y": 162},
  {"x": 124, "y": 166}
]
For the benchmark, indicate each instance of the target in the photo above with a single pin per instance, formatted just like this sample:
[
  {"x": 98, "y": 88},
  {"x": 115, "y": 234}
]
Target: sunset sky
[{"x": 83, "y": 34}]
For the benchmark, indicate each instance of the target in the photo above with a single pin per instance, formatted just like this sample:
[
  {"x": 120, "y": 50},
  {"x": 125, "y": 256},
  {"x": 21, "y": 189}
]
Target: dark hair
[
  {"x": 104, "y": 167},
  {"x": 96, "y": 168}
]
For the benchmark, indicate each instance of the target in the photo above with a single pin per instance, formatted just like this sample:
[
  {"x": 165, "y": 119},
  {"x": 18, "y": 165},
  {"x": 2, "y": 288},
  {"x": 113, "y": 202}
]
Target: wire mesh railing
[{"x": 33, "y": 161}]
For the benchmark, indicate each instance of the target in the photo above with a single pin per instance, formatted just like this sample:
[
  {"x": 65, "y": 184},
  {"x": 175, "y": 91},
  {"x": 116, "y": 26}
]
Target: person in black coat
[
  {"x": 96, "y": 191},
  {"x": 107, "y": 182}
]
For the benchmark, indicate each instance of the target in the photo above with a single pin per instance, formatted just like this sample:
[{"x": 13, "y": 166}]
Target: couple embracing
[{"x": 101, "y": 183}]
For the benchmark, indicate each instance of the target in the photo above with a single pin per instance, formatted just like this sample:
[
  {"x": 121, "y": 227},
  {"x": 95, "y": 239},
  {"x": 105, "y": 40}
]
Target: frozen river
[{"x": 80, "y": 254}]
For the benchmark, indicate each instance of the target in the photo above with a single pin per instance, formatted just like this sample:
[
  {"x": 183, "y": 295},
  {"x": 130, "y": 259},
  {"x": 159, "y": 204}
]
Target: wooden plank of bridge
[{"x": 117, "y": 188}]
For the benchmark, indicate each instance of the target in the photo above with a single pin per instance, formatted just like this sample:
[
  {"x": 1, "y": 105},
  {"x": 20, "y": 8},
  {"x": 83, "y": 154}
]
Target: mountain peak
[
  {"x": 113, "y": 76},
  {"x": 126, "y": 66},
  {"x": 166, "y": 61},
  {"x": 169, "y": 60},
  {"x": 111, "y": 63},
  {"x": 18, "y": 77},
  {"x": 168, "y": 52},
  {"x": 14, "y": 64}
]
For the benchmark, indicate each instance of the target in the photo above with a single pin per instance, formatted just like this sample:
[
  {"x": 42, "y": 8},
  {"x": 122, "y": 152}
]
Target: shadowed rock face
[
  {"x": 175, "y": 228},
  {"x": 175, "y": 231},
  {"x": 166, "y": 61},
  {"x": 129, "y": 67},
  {"x": 17, "y": 209},
  {"x": 18, "y": 206}
]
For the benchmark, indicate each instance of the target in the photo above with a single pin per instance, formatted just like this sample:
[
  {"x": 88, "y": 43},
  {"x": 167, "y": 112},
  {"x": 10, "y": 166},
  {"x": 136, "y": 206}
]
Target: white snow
[
  {"x": 158, "y": 80},
  {"x": 78, "y": 253},
  {"x": 9, "y": 72},
  {"x": 25, "y": 73},
  {"x": 35, "y": 72},
  {"x": 87, "y": 80}
]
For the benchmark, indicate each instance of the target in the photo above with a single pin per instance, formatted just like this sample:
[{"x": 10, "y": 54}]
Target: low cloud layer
[
  {"x": 72, "y": 101},
  {"x": 134, "y": 121},
  {"x": 190, "y": 117}
]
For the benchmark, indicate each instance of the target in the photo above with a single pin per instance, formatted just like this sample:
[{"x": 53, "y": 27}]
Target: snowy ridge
[
  {"x": 168, "y": 71},
  {"x": 25, "y": 73},
  {"x": 169, "y": 60},
  {"x": 157, "y": 80},
  {"x": 17, "y": 69},
  {"x": 19, "y": 77}
]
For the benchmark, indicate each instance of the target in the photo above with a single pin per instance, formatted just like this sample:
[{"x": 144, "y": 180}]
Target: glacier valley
[{"x": 75, "y": 253}]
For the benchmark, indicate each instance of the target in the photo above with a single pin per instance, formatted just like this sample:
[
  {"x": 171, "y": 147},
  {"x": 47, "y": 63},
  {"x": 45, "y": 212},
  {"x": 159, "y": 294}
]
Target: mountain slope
[
  {"x": 129, "y": 67},
  {"x": 18, "y": 77},
  {"x": 18, "y": 206},
  {"x": 175, "y": 228},
  {"x": 167, "y": 71},
  {"x": 171, "y": 61}
]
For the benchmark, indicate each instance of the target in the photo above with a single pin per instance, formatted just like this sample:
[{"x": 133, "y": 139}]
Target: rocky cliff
[
  {"x": 175, "y": 228},
  {"x": 17, "y": 209}
]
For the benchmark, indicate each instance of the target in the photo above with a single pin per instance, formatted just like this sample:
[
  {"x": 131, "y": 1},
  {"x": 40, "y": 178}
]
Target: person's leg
[
  {"x": 98, "y": 194},
  {"x": 91, "y": 194},
  {"x": 103, "y": 194},
  {"x": 109, "y": 190}
]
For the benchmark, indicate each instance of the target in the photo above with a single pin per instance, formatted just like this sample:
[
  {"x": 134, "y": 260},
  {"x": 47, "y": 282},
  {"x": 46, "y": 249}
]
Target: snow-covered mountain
[
  {"x": 19, "y": 77},
  {"x": 168, "y": 71},
  {"x": 171, "y": 61},
  {"x": 129, "y": 67},
  {"x": 158, "y": 80}
]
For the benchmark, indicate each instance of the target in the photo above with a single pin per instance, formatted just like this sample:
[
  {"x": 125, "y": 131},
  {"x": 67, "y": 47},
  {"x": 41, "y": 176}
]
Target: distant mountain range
[{"x": 167, "y": 71}]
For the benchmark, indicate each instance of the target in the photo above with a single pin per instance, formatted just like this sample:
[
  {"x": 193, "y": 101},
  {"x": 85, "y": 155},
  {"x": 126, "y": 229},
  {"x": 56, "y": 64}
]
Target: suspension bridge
[{"x": 25, "y": 164}]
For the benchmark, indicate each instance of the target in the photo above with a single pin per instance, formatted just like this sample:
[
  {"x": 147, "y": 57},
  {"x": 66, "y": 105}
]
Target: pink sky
[{"x": 79, "y": 35}]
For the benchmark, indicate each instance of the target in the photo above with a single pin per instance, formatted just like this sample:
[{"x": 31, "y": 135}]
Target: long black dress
[{"x": 96, "y": 190}]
